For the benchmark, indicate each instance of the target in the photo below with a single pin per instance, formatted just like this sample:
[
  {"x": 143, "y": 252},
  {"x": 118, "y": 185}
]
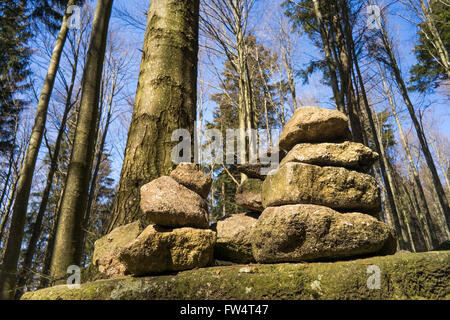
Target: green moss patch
[{"x": 402, "y": 276}]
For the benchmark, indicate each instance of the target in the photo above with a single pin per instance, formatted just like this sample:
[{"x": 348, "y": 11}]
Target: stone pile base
[{"x": 403, "y": 276}]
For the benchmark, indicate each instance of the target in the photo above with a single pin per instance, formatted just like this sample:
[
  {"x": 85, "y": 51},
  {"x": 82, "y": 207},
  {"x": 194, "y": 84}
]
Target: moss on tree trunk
[{"x": 165, "y": 101}]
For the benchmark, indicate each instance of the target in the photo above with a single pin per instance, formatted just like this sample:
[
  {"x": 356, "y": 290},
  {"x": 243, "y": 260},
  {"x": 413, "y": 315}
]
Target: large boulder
[
  {"x": 168, "y": 203},
  {"x": 233, "y": 238},
  {"x": 188, "y": 175},
  {"x": 248, "y": 195},
  {"x": 349, "y": 155},
  {"x": 309, "y": 232},
  {"x": 337, "y": 188},
  {"x": 159, "y": 249},
  {"x": 314, "y": 124},
  {"x": 107, "y": 248}
]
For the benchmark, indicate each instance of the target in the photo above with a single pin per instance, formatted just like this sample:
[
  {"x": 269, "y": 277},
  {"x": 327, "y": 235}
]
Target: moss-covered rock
[
  {"x": 402, "y": 276},
  {"x": 338, "y": 188},
  {"x": 108, "y": 247},
  {"x": 306, "y": 232},
  {"x": 350, "y": 155},
  {"x": 159, "y": 249}
]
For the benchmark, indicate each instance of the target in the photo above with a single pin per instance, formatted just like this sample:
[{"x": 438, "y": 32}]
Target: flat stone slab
[
  {"x": 338, "y": 188},
  {"x": 350, "y": 155},
  {"x": 402, "y": 276}
]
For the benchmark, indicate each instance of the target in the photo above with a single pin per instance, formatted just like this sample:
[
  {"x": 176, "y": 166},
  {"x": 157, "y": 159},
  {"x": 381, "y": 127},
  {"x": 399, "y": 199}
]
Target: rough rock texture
[
  {"x": 233, "y": 239},
  {"x": 404, "y": 276},
  {"x": 248, "y": 195},
  {"x": 337, "y": 188},
  {"x": 106, "y": 249},
  {"x": 349, "y": 155},
  {"x": 314, "y": 124},
  {"x": 159, "y": 249},
  {"x": 168, "y": 203},
  {"x": 307, "y": 233},
  {"x": 188, "y": 175}
]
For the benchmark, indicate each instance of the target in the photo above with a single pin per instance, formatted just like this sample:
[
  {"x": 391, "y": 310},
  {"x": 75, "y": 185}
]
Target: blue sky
[{"x": 264, "y": 16}]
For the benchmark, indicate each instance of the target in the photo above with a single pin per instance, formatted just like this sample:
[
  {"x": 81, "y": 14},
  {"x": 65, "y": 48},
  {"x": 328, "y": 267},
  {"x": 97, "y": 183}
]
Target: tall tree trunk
[
  {"x": 420, "y": 238},
  {"x": 345, "y": 63},
  {"x": 339, "y": 99},
  {"x": 165, "y": 101},
  {"x": 287, "y": 63},
  {"x": 37, "y": 227},
  {"x": 444, "y": 168},
  {"x": 9, "y": 270},
  {"x": 44, "y": 280},
  {"x": 420, "y": 134},
  {"x": 67, "y": 250},
  {"x": 377, "y": 142},
  {"x": 403, "y": 223},
  {"x": 98, "y": 162},
  {"x": 425, "y": 216}
]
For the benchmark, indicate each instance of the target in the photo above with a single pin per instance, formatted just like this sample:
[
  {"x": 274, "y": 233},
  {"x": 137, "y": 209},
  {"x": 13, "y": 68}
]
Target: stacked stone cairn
[
  {"x": 178, "y": 237},
  {"x": 320, "y": 204}
]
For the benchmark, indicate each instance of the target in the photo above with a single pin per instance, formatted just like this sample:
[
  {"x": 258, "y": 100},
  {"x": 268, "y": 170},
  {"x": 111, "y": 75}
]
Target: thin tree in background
[
  {"x": 8, "y": 272},
  {"x": 424, "y": 211},
  {"x": 165, "y": 101},
  {"x": 225, "y": 23},
  {"x": 390, "y": 60},
  {"x": 67, "y": 247},
  {"x": 114, "y": 78},
  {"x": 75, "y": 45}
]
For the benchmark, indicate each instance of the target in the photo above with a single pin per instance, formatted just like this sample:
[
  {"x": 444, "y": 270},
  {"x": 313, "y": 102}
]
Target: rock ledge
[{"x": 403, "y": 276}]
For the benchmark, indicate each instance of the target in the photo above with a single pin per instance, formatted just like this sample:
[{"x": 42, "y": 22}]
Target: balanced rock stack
[
  {"x": 178, "y": 238},
  {"x": 320, "y": 204}
]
